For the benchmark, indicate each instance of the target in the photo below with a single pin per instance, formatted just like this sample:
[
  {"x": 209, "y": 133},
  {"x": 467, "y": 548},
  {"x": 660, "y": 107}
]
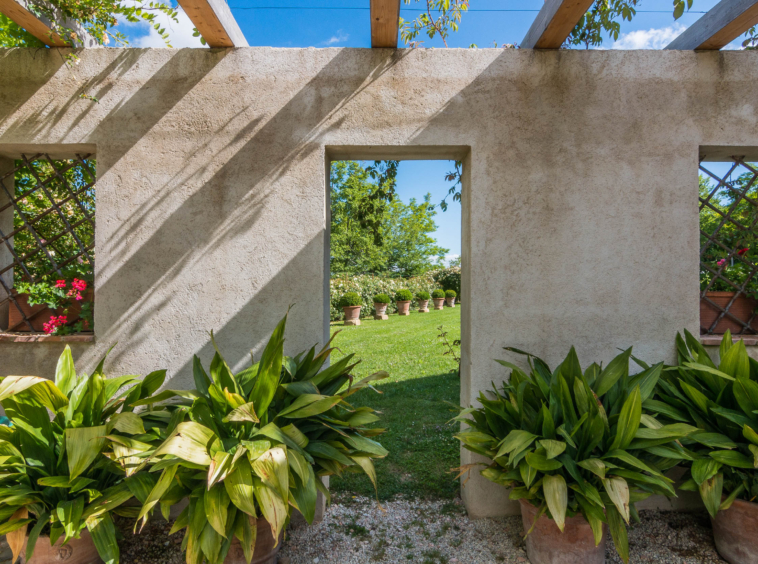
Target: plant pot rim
[
  {"x": 739, "y": 501},
  {"x": 381, "y": 303},
  {"x": 403, "y": 301},
  {"x": 350, "y": 307},
  {"x": 722, "y": 293}
]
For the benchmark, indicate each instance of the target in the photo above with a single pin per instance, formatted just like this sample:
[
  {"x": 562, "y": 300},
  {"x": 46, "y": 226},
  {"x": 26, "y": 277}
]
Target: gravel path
[{"x": 357, "y": 531}]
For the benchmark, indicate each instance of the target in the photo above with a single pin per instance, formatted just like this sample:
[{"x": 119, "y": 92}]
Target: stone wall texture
[{"x": 580, "y": 217}]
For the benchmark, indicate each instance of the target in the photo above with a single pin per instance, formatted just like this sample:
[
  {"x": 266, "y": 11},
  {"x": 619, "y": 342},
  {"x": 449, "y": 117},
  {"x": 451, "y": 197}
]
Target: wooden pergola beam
[
  {"x": 554, "y": 23},
  {"x": 718, "y": 27},
  {"x": 385, "y": 17},
  {"x": 215, "y": 22},
  {"x": 31, "y": 23}
]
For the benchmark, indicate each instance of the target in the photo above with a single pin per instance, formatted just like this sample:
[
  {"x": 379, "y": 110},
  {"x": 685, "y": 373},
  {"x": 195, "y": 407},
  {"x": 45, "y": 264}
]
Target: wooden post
[
  {"x": 215, "y": 22},
  {"x": 718, "y": 27},
  {"x": 554, "y": 23},
  {"x": 385, "y": 18}
]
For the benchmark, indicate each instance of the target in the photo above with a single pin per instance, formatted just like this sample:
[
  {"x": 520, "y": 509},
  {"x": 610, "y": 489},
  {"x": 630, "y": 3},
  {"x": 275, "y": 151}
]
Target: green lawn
[{"x": 419, "y": 439}]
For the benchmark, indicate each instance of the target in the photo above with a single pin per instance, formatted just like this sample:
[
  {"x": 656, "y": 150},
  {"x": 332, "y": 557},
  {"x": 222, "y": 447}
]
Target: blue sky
[{"x": 345, "y": 23}]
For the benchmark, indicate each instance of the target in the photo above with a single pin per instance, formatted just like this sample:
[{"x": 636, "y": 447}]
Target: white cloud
[
  {"x": 649, "y": 38},
  {"x": 449, "y": 258},
  {"x": 179, "y": 34},
  {"x": 339, "y": 38}
]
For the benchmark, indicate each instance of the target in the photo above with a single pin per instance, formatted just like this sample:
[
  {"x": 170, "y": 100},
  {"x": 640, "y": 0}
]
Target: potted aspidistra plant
[
  {"x": 381, "y": 301},
  {"x": 577, "y": 451},
  {"x": 423, "y": 301},
  {"x": 722, "y": 457},
  {"x": 403, "y": 300},
  {"x": 438, "y": 297},
  {"x": 70, "y": 457},
  {"x": 450, "y": 296},
  {"x": 351, "y": 303},
  {"x": 255, "y": 447}
]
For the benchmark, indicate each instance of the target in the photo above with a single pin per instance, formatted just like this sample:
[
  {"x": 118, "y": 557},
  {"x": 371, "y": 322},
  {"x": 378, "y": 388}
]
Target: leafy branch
[{"x": 448, "y": 16}]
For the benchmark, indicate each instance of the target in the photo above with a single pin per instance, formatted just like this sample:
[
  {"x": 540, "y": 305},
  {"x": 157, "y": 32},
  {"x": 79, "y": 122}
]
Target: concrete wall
[{"x": 580, "y": 209}]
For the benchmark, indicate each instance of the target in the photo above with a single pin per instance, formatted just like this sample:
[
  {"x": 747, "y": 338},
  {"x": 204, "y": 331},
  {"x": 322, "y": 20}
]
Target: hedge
[{"x": 369, "y": 285}]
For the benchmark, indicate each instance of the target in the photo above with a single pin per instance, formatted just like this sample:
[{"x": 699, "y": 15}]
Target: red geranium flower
[
  {"x": 743, "y": 251},
  {"x": 60, "y": 283}
]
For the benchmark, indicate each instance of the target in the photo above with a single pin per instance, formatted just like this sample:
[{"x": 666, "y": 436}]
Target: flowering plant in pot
[
  {"x": 438, "y": 297},
  {"x": 577, "y": 450},
  {"x": 255, "y": 445},
  {"x": 722, "y": 457},
  {"x": 381, "y": 301},
  {"x": 403, "y": 300},
  {"x": 70, "y": 458},
  {"x": 58, "y": 308},
  {"x": 450, "y": 296},
  {"x": 423, "y": 301},
  {"x": 351, "y": 304}
]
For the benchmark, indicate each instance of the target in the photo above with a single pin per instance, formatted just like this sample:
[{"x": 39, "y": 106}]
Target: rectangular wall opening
[
  {"x": 397, "y": 226},
  {"x": 47, "y": 243}
]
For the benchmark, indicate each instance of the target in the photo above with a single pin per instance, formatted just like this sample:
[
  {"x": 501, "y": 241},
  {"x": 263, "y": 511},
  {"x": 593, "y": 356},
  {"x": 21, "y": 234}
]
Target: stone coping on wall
[
  {"x": 30, "y": 338},
  {"x": 715, "y": 340}
]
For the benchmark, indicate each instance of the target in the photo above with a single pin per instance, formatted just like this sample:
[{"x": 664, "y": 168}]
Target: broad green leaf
[
  {"x": 239, "y": 486},
  {"x": 269, "y": 371},
  {"x": 365, "y": 444},
  {"x": 16, "y": 535},
  {"x": 541, "y": 463},
  {"x": 628, "y": 421},
  {"x": 32, "y": 390},
  {"x": 618, "y": 532},
  {"x": 245, "y": 412},
  {"x": 189, "y": 442},
  {"x": 750, "y": 434},
  {"x": 736, "y": 361},
  {"x": 217, "y": 508},
  {"x": 617, "y": 368},
  {"x": 746, "y": 393},
  {"x": 296, "y": 435},
  {"x": 713, "y": 440},
  {"x": 273, "y": 470},
  {"x": 165, "y": 395},
  {"x": 219, "y": 468},
  {"x": 104, "y": 537},
  {"x": 161, "y": 487},
  {"x": 704, "y": 469},
  {"x": 83, "y": 446},
  {"x": 69, "y": 513},
  {"x": 126, "y": 422},
  {"x": 703, "y": 368},
  {"x": 594, "y": 465},
  {"x": 65, "y": 372},
  {"x": 308, "y": 405},
  {"x": 732, "y": 458},
  {"x": 556, "y": 496},
  {"x": 618, "y": 490},
  {"x": 246, "y": 530},
  {"x": 42, "y": 520},
  {"x": 273, "y": 508},
  {"x": 710, "y": 492},
  {"x": 515, "y": 441},
  {"x": 553, "y": 448}
]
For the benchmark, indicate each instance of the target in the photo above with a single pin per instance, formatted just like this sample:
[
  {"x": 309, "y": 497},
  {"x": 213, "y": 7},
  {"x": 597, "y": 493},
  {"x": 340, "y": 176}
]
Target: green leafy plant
[
  {"x": 73, "y": 470},
  {"x": 256, "y": 443},
  {"x": 450, "y": 13},
  {"x": 422, "y": 296},
  {"x": 572, "y": 442},
  {"x": 382, "y": 299},
  {"x": 722, "y": 402},
  {"x": 350, "y": 299},
  {"x": 403, "y": 296},
  {"x": 438, "y": 294},
  {"x": 450, "y": 293}
]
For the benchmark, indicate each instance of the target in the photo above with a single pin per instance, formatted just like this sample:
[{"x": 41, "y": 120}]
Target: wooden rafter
[
  {"x": 554, "y": 23},
  {"x": 31, "y": 23},
  {"x": 215, "y": 22},
  {"x": 385, "y": 15},
  {"x": 718, "y": 27}
]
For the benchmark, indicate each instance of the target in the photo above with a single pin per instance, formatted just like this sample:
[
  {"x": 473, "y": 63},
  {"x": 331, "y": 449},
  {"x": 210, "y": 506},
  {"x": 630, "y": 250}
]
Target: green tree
[{"x": 391, "y": 237}]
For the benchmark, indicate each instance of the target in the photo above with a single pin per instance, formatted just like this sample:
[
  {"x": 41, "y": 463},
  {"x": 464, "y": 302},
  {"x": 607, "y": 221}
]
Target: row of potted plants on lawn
[
  {"x": 237, "y": 454},
  {"x": 579, "y": 448},
  {"x": 351, "y": 303}
]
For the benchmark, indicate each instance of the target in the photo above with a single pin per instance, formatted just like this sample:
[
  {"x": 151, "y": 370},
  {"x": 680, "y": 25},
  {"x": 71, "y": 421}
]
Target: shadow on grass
[{"x": 419, "y": 439}]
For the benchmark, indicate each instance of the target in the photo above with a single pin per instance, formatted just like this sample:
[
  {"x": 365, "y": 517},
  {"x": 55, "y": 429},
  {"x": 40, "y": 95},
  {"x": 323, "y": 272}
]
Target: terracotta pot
[
  {"x": 735, "y": 531},
  {"x": 403, "y": 307},
  {"x": 439, "y": 303},
  {"x": 265, "y": 552},
  {"x": 450, "y": 302},
  {"x": 75, "y": 551},
  {"x": 352, "y": 315},
  {"x": 423, "y": 306},
  {"x": 40, "y": 314},
  {"x": 547, "y": 545},
  {"x": 381, "y": 311},
  {"x": 742, "y": 309}
]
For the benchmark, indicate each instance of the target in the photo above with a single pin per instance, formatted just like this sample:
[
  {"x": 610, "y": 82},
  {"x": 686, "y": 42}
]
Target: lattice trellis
[
  {"x": 729, "y": 247},
  {"x": 53, "y": 206}
]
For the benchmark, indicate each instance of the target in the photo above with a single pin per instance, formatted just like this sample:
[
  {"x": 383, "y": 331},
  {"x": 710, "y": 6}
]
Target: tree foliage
[{"x": 371, "y": 234}]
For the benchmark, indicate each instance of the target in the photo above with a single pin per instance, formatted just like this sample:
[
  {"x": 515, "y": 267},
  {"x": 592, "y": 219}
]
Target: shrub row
[{"x": 368, "y": 285}]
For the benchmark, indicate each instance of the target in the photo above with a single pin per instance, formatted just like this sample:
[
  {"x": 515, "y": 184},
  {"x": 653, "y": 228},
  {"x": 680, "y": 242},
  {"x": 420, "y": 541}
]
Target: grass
[{"x": 419, "y": 439}]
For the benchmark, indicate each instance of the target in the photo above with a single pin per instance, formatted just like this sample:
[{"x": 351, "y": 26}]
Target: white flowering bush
[{"x": 369, "y": 285}]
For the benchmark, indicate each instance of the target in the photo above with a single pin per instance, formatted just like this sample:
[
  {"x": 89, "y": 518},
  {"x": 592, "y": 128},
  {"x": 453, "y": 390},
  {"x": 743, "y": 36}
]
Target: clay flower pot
[
  {"x": 546, "y": 544},
  {"x": 735, "y": 531},
  {"x": 265, "y": 552},
  {"x": 742, "y": 309},
  {"x": 75, "y": 551},
  {"x": 403, "y": 307},
  {"x": 352, "y": 315},
  {"x": 439, "y": 303},
  {"x": 423, "y": 306},
  {"x": 381, "y": 311},
  {"x": 450, "y": 302}
]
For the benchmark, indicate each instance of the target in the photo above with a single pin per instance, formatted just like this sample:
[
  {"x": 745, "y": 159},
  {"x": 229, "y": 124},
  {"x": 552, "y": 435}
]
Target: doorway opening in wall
[
  {"x": 728, "y": 199},
  {"x": 47, "y": 245},
  {"x": 395, "y": 264}
]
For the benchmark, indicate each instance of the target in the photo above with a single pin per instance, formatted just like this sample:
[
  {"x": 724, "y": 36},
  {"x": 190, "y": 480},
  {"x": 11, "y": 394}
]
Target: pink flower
[
  {"x": 52, "y": 325},
  {"x": 60, "y": 283},
  {"x": 79, "y": 285},
  {"x": 721, "y": 263}
]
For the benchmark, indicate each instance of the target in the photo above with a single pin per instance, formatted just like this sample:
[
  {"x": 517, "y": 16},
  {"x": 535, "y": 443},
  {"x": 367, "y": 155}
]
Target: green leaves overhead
[{"x": 573, "y": 441}]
